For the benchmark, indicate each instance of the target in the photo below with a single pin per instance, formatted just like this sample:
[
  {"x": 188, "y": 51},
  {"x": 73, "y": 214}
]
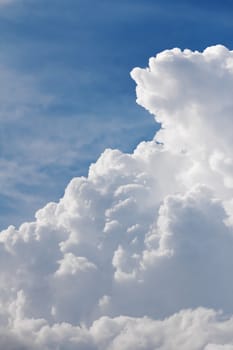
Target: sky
[
  {"x": 116, "y": 186},
  {"x": 66, "y": 93}
]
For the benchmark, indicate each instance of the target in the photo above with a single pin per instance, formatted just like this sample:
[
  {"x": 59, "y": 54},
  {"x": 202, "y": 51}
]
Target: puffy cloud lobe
[
  {"x": 190, "y": 95},
  {"x": 143, "y": 237},
  {"x": 201, "y": 329}
]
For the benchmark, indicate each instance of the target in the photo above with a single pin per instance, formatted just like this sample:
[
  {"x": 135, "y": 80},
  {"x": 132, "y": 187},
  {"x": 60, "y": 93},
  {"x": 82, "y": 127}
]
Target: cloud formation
[{"x": 138, "y": 255}]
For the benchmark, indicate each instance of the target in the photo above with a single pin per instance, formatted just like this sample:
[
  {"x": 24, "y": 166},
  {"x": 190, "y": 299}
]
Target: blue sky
[{"x": 65, "y": 89}]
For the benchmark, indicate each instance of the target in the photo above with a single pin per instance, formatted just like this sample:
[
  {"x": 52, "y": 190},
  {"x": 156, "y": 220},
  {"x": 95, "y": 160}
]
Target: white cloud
[
  {"x": 34, "y": 148},
  {"x": 145, "y": 234},
  {"x": 201, "y": 329}
]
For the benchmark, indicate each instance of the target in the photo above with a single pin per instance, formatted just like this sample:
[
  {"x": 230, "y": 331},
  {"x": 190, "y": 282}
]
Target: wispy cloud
[{"x": 43, "y": 135}]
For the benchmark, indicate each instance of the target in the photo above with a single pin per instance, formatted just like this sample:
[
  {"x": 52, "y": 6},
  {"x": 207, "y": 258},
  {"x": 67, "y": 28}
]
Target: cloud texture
[{"x": 138, "y": 255}]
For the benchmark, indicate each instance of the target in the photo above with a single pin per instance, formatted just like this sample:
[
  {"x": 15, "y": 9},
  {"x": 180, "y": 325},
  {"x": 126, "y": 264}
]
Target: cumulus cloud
[
  {"x": 138, "y": 255},
  {"x": 188, "y": 329}
]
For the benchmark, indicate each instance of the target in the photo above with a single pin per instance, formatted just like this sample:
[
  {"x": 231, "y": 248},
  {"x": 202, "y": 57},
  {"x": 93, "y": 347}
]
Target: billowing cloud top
[{"x": 138, "y": 255}]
